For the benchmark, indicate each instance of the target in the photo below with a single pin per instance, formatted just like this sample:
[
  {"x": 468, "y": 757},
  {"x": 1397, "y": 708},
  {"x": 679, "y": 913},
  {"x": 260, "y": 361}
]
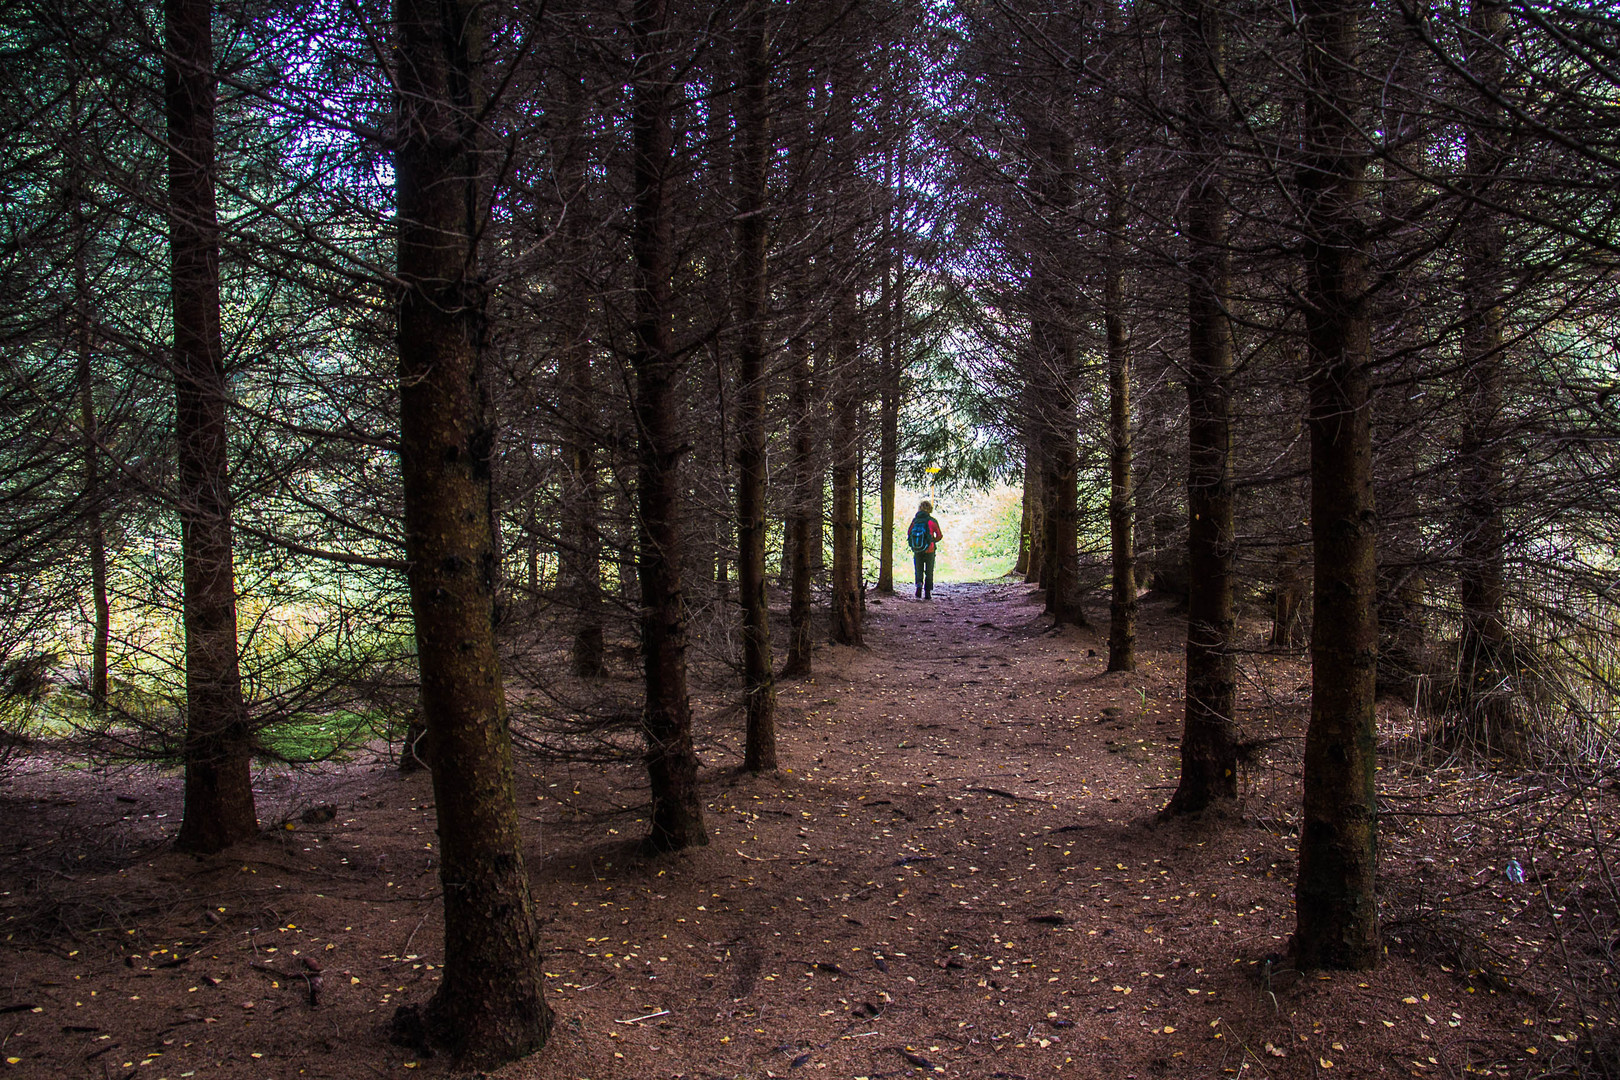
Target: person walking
[{"x": 922, "y": 536}]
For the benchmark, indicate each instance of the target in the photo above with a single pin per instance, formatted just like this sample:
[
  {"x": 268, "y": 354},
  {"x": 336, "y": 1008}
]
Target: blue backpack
[{"x": 918, "y": 537}]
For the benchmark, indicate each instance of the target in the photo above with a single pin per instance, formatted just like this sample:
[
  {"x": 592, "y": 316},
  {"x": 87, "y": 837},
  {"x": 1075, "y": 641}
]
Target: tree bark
[
  {"x": 1209, "y": 738},
  {"x": 1491, "y": 720},
  {"x": 1335, "y": 903},
  {"x": 489, "y": 1007},
  {"x": 847, "y": 582},
  {"x": 677, "y": 806},
  {"x": 218, "y": 742},
  {"x": 715, "y": 526},
  {"x": 90, "y": 436},
  {"x": 804, "y": 520},
  {"x": 101, "y": 628},
  {"x": 846, "y": 378},
  {"x": 892, "y": 301},
  {"x": 753, "y": 165},
  {"x": 1056, "y": 361},
  {"x": 1121, "y": 496},
  {"x": 580, "y": 548}
]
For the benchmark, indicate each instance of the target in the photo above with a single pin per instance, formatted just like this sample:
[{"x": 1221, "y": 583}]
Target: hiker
[{"x": 923, "y": 533}]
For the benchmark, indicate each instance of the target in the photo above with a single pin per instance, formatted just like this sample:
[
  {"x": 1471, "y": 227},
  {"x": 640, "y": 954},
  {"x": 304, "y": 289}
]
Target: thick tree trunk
[
  {"x": 753, "y": 163},
  {"x": 490, "y": 1006},
  {"x": 1335, "y": 903},
  {"x": 677, "y": 805},
  {"x": 1056, "y": 361},
  {"x": 1491, "y": 720},
  {"x": 1121, "y": 496},
  {"x": 1209, "y": 739},
  {"x": 218, "y": 744}
]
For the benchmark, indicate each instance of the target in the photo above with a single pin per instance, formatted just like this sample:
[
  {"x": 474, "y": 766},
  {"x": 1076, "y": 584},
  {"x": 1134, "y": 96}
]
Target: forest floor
[{"x": 960, "y": 871}]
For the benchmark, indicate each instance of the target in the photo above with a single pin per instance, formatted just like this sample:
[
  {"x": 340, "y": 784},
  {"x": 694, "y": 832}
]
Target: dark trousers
[{"x": 923, "y": 563}]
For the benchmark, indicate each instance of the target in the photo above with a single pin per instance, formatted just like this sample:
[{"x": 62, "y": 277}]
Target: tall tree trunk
[
  {"x": 579, "y": 553},
  {"x": 84, "y": 344},
  {"x": 1060, "y": 485},
  {"x": 1335, "y": 904},
  {"x": 490, "y": 1006},
  {"x": 847, "y": 381},
  {"x": 893, "y": 352},
  {"x": 1405, "y": 539},
  {"x": 1121, "y": 497},
  {"x": 101, "y": 629},
  {"x": 718, "y": 524},
  {"x": 847, "y": 583},
  {"x": 677, "y": 806},
  {"x": 1209, "y": 741},
  {"x": 804, "y": 519},
  {"x": 753, "y": 165},
  {"x": 1056, "y": 360},
  {"x": 218, "y": 744},
  {"x": 1491, "y": 718}
]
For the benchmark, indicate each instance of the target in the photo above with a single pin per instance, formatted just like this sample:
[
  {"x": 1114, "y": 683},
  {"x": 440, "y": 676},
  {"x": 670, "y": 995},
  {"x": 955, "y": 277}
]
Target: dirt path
[{"x": 959, "y": 871}]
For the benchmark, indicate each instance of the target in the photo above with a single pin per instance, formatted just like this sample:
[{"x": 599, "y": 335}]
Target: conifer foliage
[{"x": 495, "y": 366}]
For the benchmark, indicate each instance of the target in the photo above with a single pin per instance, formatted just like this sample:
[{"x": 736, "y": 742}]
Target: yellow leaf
[{"x": 1325, "y": 1063}]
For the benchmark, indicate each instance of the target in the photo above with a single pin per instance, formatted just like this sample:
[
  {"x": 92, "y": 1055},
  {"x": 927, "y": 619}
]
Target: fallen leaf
[{"x": 919, "y": 1061}]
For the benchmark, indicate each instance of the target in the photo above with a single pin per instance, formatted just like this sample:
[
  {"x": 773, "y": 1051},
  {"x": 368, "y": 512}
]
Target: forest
[{"x": 456, "y": 461}]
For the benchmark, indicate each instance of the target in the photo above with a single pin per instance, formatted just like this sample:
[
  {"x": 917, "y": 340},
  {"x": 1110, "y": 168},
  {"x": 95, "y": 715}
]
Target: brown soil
[{"x": 962, "y": 872}]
